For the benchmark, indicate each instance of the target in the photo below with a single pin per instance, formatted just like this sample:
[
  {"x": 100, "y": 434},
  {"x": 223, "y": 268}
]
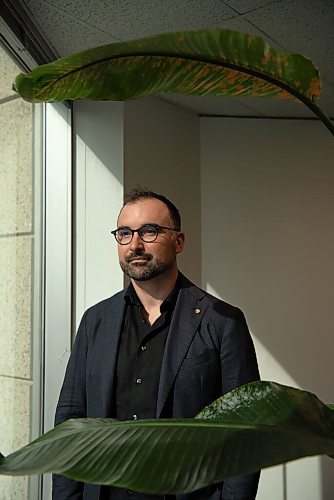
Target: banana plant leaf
[
  {"x": 214, "y": 61},
  {"x": 255, "y": 426}
]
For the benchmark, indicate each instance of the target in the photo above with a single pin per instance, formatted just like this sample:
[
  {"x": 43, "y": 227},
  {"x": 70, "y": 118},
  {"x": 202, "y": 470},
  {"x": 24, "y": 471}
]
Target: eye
[
  {"x": 148, "y": 230},
  {"x": 124, "y": 232}
]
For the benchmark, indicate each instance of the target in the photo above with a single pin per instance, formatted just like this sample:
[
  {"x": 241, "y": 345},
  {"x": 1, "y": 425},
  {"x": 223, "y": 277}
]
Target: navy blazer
[{"x": 209, "y": 351}]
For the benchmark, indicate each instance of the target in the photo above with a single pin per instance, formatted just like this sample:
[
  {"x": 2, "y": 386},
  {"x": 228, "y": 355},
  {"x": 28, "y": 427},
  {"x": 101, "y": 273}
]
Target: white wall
[
  {"x": 268, "y": 247},
  {"x": 161, "y": 151},
  {"x": 98, "y": 129}
]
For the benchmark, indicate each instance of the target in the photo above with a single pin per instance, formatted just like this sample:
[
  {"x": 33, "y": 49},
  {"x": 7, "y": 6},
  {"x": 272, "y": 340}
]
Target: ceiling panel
[
  {"x": 240, "y": 23},
  {"x": 65, "y": 32},
  {"x": 242, "y": 6},
  {"x": 277, "y": 107},
  {"x": 150, "y": 17},
  {"x": 242, "y": 106},
  {"x": 211, "y": 105},
  {"x": 124, "y": 20}
]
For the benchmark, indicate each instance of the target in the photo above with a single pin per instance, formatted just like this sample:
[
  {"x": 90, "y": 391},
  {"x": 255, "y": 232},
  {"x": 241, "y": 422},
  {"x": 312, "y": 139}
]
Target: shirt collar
[{"x": 131, "y": 297}]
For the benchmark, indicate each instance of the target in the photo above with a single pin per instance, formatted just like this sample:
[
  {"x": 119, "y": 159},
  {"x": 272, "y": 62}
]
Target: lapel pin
[{"x": 197, "y": 311}]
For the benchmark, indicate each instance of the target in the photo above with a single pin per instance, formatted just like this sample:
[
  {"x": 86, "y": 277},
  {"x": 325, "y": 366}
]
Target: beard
[{"x": 143, "y": 271}]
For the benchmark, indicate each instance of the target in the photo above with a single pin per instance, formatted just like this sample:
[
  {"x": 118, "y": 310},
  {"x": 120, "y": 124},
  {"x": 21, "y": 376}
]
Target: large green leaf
[
  {"x": 255, "y": 426},
  {"x": 215, "y": 61}
]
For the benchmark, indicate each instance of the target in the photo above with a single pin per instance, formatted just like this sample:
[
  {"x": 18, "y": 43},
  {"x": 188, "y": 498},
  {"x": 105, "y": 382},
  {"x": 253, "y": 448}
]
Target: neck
[{"x": 153, "y": 292}]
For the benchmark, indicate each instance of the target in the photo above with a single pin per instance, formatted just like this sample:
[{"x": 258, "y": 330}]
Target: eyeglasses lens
[
  {"x": 123, "y": 236},
  {"x": 148, "y": 233}
]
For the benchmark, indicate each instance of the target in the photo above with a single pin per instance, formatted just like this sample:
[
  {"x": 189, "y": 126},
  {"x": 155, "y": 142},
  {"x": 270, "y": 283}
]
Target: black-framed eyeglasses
[{"x": 148, "y": 233}]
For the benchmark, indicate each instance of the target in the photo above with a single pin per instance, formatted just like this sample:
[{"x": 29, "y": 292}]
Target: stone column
[{"x": 16, "y": 261}]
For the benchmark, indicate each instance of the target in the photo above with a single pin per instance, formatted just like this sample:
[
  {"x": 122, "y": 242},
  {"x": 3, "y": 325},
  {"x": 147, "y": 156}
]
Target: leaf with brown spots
[{"x": 215, "y": 61}]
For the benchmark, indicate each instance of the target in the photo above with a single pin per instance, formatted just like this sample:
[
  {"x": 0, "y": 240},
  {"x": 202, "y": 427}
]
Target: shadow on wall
[{"x": 268, "y": 204}]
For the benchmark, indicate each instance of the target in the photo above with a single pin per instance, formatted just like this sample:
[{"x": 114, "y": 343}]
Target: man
[{"x": 162, "y": 348}]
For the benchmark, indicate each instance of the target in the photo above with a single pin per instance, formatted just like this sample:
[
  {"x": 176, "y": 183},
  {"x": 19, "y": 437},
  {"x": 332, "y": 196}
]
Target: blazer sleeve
[
  {"x": 72, "y": 404},
  {"x": 238, "y": 367}
]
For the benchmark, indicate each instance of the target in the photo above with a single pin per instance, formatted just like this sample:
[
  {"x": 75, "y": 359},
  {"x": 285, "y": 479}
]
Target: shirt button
[
  {"x": 143, "y": 347},
  {"x": 138, "y": 381},
  {"x": 135, "y": 417}
]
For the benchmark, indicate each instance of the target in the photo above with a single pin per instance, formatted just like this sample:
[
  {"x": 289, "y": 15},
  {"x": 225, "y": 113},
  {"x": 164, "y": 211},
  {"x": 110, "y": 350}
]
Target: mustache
[{"x": 136, "y": 255}]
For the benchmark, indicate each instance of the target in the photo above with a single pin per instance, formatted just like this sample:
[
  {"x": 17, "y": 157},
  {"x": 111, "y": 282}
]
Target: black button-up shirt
[
  {"x": 138, "y": 368},
  {"x": 140, "y": 357}
]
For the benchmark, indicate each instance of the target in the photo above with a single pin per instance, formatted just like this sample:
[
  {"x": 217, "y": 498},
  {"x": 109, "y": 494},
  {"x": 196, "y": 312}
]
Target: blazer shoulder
[
  {"x": 105, "y": 305},
  {"x": 222, "y": 308},
  {"x": 215, "y": 305}
]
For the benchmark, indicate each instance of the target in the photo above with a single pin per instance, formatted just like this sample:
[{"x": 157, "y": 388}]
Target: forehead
[{"x": 145, "y": 211}]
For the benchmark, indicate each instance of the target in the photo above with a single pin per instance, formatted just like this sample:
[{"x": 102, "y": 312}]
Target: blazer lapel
[
  {"x": 111, "y": 328},
  {"x": 188, "y": 314}
]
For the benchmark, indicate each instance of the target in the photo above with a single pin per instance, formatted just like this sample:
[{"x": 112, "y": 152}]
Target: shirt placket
[{"x": 138, "y": 391}]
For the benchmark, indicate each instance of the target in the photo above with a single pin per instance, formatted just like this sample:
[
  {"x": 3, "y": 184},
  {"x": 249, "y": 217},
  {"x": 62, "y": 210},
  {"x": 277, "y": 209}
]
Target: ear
[{"x": 179, "y": 242}]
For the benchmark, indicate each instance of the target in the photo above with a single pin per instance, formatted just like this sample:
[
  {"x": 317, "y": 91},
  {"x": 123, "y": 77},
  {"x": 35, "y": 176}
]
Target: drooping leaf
[
  {"x": 255, "y": 426},
  {"x": 215, "y": 61}
]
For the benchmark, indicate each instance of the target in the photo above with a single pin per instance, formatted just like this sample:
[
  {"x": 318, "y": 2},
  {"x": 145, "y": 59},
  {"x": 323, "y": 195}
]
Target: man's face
[{"x": 143, "y": 261}]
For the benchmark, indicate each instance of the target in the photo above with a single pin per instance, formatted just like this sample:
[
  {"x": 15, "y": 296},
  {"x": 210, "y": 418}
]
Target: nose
[{"x": 136, "y": 242}]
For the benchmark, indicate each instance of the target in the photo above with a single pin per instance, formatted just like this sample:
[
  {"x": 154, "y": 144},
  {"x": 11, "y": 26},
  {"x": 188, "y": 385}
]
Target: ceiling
[{"x": 301, "y": 26}]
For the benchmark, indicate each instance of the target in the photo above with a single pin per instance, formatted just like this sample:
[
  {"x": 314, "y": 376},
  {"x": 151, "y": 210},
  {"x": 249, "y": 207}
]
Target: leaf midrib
[
  {"x": 274, "y": 80},
  {"x": 216, "y": 425}
]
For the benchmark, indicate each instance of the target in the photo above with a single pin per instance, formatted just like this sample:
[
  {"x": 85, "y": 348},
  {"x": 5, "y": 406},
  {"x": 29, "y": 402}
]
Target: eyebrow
[{"x": 145, "y": 224}]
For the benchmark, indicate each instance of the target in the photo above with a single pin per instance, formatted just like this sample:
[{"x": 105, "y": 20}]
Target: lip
[{"x": 138, "y": 259}]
